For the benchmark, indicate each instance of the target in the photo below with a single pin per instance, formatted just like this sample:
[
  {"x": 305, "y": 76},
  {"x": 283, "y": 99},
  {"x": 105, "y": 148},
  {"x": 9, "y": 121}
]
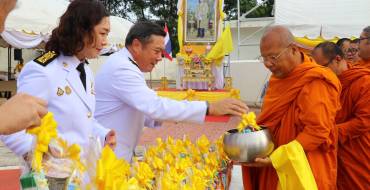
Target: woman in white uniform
[{"x": 62, "y": 77}]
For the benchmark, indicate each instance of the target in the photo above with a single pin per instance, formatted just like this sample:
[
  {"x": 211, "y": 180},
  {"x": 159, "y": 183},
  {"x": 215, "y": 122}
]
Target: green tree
[
  {"x": 166, "y": 12},
  {"x": 231, "y": 8}
]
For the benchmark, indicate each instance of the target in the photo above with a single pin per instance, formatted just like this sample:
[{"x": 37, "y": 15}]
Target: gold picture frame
[{"x": 201, "y": 21}]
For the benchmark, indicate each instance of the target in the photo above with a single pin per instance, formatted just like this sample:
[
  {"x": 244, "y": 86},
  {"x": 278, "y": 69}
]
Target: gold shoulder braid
[{"x": 46, "y": 58}]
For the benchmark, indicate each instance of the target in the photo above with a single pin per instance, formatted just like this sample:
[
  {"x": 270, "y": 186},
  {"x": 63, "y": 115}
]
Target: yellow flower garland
[{"x": 44, "y": 133}]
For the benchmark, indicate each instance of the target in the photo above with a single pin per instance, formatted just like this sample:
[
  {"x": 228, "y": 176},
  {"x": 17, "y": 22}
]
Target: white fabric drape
[
  {"x": 23, "y": 40},
  {"x": 32, "y": 22},
  {"x": 331, "y": 18}
]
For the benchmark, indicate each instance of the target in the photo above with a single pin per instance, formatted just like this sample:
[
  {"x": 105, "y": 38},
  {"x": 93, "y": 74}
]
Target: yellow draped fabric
[
  {"x": 292, "y": 167},
  {"x": 223, "y": 46},
  {"x": 199, "y": 95},
  {"x": 311, "y": 43},
  {"x": 44, "y": 133},
  {"x": 180, "y": 30},
  {"x": 222, "y": 14}
]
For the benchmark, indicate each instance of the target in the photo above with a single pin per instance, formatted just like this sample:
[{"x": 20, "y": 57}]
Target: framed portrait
[{"x": 201, "y": 21}]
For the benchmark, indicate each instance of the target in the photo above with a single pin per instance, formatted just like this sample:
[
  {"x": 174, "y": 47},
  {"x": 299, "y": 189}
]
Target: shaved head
[
  {"x": 278, "y": 50},
  {"x": 278, "y": 34}
]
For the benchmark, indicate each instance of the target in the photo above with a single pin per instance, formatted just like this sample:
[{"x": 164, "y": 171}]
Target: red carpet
[{"x": 219, "y": 119}]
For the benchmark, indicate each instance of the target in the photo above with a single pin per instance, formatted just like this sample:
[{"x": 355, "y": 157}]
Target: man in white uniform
[{"x": 123, "y": 98}]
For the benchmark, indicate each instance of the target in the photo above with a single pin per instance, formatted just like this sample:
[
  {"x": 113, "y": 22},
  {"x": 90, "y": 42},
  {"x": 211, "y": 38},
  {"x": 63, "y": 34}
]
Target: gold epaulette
[{"x": 46, "y": 58}]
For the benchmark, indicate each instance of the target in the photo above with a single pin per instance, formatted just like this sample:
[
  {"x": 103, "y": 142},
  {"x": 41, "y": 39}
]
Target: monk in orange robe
[
  {"x": 300, "y": 104},
  {"x": 353, "y": 120},
  {"x": 364, "y": 48}
]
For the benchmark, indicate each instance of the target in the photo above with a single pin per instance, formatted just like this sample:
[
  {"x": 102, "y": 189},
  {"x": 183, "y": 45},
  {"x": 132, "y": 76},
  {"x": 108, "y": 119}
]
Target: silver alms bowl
[{"x": 245, "y": 147}]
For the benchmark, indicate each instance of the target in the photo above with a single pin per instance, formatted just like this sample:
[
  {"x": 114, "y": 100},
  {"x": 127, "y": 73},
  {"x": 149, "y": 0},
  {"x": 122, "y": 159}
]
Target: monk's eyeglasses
[
  {"x": 365, "y": 38},
  {"x": 351, "y": 50},
  {"x": 273, "y": 58}
]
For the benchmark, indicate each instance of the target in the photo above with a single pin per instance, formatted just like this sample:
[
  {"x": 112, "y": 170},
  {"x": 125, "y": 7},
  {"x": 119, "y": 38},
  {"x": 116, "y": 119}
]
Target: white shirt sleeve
[
  {"x": 129, "y": 84},
  {"x": 20, "y": 143}
]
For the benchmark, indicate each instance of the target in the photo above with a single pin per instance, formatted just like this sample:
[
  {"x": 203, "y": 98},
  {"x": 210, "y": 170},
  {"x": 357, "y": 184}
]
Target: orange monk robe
[
  {"x": 301, "y": 106},
  {"x": 353, "y": 122},
  {"x": 363, "y": 63}
]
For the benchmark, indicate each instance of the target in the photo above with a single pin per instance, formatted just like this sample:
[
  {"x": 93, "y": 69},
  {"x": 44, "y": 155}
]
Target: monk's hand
[
  {"x": 110, "y": 139},
  {"x": 228, "y": 106},
  {"x": 261, "y": 162}
]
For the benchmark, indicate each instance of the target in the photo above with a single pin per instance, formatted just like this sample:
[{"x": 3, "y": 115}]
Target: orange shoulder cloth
[{"x": 282, "y": 92}]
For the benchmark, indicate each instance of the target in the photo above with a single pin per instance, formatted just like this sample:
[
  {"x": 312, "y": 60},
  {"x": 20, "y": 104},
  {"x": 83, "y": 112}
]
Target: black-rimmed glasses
[{"x": 366, "y": 38}]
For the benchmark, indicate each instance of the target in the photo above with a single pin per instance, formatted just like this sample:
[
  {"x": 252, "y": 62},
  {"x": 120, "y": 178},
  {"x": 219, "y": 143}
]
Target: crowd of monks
[{"x": 322, "y": 101}]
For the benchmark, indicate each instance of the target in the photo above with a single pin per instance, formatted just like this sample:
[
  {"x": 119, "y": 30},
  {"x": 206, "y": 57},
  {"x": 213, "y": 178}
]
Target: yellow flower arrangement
[
  {"x": 248, "y": 120},
  {"x": 174, "y": 165}
]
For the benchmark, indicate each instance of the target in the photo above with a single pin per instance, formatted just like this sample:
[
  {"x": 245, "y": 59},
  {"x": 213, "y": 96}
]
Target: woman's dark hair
[{"x": 75, "y": 25}]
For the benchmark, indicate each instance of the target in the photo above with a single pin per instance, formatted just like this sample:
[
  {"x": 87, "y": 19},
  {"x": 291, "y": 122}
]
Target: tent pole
[{"x": 9, "y": 63}]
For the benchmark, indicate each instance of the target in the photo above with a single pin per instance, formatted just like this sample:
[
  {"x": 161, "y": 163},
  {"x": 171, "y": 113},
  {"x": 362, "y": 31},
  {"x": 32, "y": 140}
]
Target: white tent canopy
[
  {"x": 330, "y": 18},
  {"x": 119, "y": 29},
  {"x": 32, "y": 22}
]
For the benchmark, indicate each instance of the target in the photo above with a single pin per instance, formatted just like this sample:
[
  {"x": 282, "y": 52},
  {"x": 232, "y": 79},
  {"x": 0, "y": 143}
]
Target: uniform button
[{"x": 89, "y": 114}]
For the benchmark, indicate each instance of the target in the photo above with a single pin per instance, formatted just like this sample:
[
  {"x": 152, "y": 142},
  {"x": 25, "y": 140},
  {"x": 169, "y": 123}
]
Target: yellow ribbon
[
  {"x": 235, "y": 93},
  {"x": 131, "y": 184},
  {"x": 144, "y": 175},
  {"x": 44, "y": 133},
  {"x": 157, "y": 164},
  {"x": 72, "y": 152},
  {"x": 190, "y": 94},
  {"x": 248, "y": 120},
  {"x": 110, "y": 170},
  {"x": 203, "y": 144}
]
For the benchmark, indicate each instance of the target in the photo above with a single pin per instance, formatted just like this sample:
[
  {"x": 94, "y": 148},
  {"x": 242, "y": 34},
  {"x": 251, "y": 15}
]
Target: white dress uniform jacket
[
  {"x": 58, "y": 82},
  {"x": 123, "y": 99}
]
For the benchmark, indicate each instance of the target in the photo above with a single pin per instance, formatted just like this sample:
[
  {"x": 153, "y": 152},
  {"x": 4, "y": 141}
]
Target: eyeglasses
[
  {"x": 365, "y": 38},
  {"x": 352, "y": 50},
  {"x": 273, "y": 58}
]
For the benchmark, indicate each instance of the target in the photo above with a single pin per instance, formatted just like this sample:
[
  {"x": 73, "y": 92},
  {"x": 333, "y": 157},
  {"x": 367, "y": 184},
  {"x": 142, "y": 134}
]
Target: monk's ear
[
  {"x": 295, "y": 48},
  {"x": 338, "y": 58}
]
